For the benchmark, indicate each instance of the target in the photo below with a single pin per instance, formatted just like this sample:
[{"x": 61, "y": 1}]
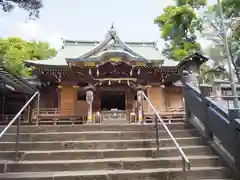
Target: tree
[
  {"x": 216, "y": 53},
  {"x": 204, "y": 75},
  {"x": 213, "y": 32},
  {"x": 231, "y": 8},
  {"x": 179, "y": 25},
  {"x": 14, "y": 51},
  {"x": 32, "y": 6}
]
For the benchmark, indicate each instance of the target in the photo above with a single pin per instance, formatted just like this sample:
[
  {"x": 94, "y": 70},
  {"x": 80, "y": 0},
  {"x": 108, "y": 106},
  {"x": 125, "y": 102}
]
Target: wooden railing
[
  {"x": 6, "y": 118},
  {"x": 57, "y": 115},
  {"x": 168, "y": 113},
  {"x": 51, "y": 112},
  {"x": 66, "y": 116}
]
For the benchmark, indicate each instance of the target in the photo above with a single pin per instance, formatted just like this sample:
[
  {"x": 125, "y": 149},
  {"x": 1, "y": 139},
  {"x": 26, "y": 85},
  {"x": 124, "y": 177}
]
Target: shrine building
[{"x": 89, "y": 77}]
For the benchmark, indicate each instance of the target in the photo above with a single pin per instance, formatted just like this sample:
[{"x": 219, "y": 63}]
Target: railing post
[
  {"x": 17, "y": 138},
  {"x": 208, "y": 135},
  {"x": 205, "y": 91},
  {"x": 235, "y": 120},
  {"x": 185, "y": 80},
  {"x": 38, "y": 105},
  {"x": 184, "y": 168},
  {"x": 237, "y": 154},
  {"x": 157, "y": 135}
]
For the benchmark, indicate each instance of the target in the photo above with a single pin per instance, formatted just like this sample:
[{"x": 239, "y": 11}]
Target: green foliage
[
  {"x": 14, "y": 51},
  {"x": 204, "y": 75},
  {"x": 179, "y": 24},
  {"x": 231, "y": 8},
  {"x": 32, "y": 6}
]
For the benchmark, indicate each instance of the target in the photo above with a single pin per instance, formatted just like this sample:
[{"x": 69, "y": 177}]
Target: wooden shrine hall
[
  {"x": 14, "y": 93},
  {"x": 89, "y": 78}
]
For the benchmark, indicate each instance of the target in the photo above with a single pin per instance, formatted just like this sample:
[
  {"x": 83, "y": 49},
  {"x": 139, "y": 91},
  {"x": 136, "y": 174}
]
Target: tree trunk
[{"x": 234, "y": 65}]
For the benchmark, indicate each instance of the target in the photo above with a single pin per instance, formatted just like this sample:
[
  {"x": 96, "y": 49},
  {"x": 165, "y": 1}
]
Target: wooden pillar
[
  {"x": 129, "y": 100},
  {"x": 97, "y": 101}
]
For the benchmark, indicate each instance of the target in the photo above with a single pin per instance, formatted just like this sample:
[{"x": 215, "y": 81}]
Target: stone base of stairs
[
  {"x": 143, "y": 174},
  {"x": 107, "y": 152}
]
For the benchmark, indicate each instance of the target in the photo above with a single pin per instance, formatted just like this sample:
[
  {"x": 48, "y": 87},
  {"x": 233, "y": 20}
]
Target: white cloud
[
  {"x": 11, "y": 25},
  {"x": 55, "y": 41},
  {"x": 29, "y": 30},
  {"x": 33, "y": 31}
]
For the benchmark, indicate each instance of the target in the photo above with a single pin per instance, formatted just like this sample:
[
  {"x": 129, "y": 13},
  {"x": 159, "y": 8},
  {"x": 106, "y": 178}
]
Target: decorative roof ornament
[
  {"x": 112, "y": 26},
  {"x": 112, "y": 31}
]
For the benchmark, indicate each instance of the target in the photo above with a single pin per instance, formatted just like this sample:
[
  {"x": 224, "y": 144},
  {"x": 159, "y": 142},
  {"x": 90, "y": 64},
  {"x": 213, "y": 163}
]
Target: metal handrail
[
  {"x": 224, "y": 96},
  {"x": 186, "y": 162},
  {"x": 18, "y": 124}
]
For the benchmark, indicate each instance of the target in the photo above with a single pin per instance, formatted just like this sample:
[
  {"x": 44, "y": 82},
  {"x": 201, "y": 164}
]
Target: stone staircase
[{"x": 106, "y": 152}]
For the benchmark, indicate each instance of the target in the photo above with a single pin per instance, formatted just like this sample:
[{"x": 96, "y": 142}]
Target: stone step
[
  {"x": 99, "y": 144},
  {"x": 143, "y": 174},
  {"x": 109, "y": 153},
  {"x": 107, "y": 164},
  {"x": 95, "y": 127},
  {"x": 96, "y": 135}
]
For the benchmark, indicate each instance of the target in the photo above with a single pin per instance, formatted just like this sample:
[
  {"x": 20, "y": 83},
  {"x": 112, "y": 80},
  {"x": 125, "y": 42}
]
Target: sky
[{"x": 86, "y": 20}]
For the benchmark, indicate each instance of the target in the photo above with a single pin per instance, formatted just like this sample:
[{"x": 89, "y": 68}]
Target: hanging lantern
[{"x": 89, "y": 96}]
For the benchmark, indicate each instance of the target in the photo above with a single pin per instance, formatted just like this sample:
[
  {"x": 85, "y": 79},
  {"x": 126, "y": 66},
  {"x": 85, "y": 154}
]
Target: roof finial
[{"x": 112, "y": 26}]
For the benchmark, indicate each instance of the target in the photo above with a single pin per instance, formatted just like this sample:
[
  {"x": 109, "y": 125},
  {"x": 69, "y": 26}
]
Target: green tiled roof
[
  {"x": 85, "y": 50},
  {"x": 112, "y": 45}
]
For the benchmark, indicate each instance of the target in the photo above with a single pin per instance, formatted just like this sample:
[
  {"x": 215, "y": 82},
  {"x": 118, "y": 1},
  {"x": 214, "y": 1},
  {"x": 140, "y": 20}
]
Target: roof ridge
[{"x": 71, "y": 41}]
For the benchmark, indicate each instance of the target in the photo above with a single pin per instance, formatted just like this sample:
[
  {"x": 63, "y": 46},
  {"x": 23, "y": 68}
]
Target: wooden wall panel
[
  {"x": 68, "y": 100},
  {"x": 173, "y": 98},
  {"x": 81, "y": 108},
  {"x": 155, "y": 96},
  {"x": 46, "y": 94},
  {"x": 176, "y": 100}
]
